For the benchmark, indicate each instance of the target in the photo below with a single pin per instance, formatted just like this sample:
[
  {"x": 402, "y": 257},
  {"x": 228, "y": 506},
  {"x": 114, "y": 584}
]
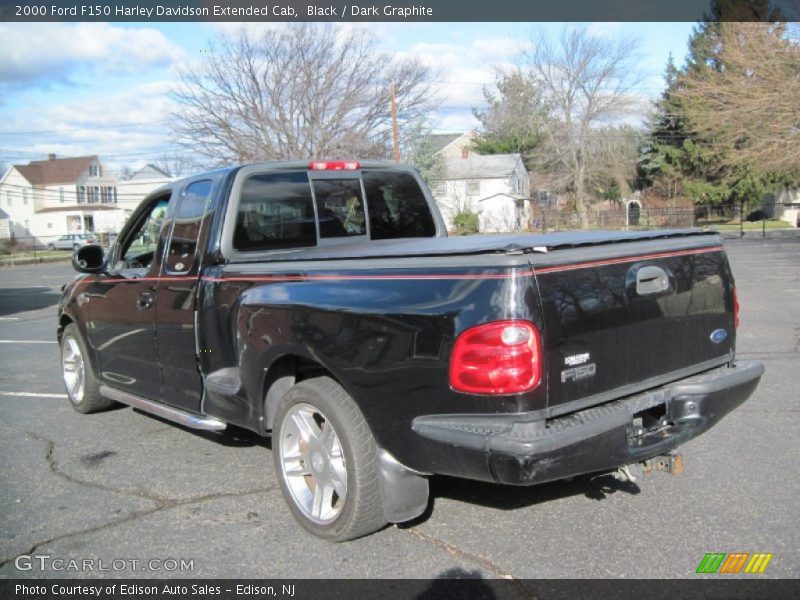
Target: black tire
[
  {"x": 360, "y": 512},
  {"x": 51, "y": 246},
  {"x": 84, "y": 395}
]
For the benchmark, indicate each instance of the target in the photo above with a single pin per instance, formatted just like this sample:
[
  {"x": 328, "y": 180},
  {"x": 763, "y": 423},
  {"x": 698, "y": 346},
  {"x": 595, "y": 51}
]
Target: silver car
[{"x": 71, "y": 241}]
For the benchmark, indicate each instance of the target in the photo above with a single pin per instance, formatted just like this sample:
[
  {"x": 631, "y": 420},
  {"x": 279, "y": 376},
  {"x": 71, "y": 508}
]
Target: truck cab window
[
  {"x": 191, "y": 212},
  {"x": 275, "y": 212},
  {"x": 340, "y": 208},
  {"x": 140, "y": 246},
  {"x": 397, "y": 206}
]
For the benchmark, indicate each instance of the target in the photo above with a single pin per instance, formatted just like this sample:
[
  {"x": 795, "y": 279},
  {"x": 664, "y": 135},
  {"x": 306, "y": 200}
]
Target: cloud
[
  {"x": 43, "y": 54},
  {"x": 91, "y": 125}
]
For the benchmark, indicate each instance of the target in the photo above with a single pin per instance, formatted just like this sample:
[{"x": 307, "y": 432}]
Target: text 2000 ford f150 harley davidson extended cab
[{"x": 323, "y": 303}]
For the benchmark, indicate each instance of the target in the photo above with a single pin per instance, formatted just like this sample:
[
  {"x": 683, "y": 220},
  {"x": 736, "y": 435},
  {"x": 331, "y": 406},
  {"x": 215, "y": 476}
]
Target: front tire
[
  {"x": 325, "y": 459},
  {"x": 83, "y": 389}
]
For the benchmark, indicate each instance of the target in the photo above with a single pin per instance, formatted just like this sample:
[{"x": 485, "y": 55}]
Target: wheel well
[
  {"x": 282, "y": 375},
  {"x": 62, "y": 323}
]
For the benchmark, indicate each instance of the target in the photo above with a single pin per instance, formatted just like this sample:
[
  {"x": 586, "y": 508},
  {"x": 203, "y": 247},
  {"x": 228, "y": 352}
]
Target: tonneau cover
[{"x": 473, "y": 244}]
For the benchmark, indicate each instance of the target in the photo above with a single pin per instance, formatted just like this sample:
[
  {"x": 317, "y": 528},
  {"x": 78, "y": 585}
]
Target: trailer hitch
[{"x": 668, "y": 463}]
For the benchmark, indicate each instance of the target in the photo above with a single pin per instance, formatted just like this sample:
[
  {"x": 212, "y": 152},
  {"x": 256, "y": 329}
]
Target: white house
[
  {"x": 495, "y": 186},
  {"x": 134, "y": 189},
  {"x": 49, "y": 198}
]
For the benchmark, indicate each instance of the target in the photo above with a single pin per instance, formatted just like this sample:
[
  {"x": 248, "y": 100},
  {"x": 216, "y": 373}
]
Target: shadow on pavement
[
  {"x": 14, "y": 300},
  {"x": 596, "y": 486}
]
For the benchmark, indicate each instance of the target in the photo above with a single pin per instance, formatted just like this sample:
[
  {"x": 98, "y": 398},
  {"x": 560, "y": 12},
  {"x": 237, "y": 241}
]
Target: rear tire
[
  {"x": 83, "y": 389},
  {"x": 326, "y": 461},
  {"x": 51, "y": 246}
]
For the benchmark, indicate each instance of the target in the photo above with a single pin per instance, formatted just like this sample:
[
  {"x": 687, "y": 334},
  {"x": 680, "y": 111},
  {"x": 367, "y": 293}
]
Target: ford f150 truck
[{"x": 323, "y": 304}]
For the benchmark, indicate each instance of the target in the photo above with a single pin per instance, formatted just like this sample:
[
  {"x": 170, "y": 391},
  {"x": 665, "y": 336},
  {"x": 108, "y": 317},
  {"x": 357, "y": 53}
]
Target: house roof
[
  {"x": 55, "y": 170},
  {"x": 149, "y": 171},
  {"x": 478, "y": 166},
  {"x": 440, "y": 141}
]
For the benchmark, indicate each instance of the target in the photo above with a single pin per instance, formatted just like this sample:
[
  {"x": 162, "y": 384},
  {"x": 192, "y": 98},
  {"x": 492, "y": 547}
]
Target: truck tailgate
[{"x": 623, "y": 315}]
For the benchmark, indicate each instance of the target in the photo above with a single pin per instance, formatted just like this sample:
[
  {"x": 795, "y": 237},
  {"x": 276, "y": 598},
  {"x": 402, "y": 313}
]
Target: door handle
[
  {"x": 651, "y": 280},
  {"x": 145, "y": 300}
]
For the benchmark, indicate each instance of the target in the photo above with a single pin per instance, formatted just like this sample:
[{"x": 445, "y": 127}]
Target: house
[
  {"x": 786, "y": 206},
  {"x": 134, "y": 189},
  {"x": 5, "y": 225},
  {"x": 46, "y": 199},
  {"x": 495, "y": 186}
]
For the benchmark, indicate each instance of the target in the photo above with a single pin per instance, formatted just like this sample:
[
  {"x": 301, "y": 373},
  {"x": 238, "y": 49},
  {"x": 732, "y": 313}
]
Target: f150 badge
[{"x": 579, "y": 370}]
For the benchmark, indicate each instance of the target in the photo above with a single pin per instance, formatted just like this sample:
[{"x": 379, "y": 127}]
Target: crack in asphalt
[
  {"x": 162, "y": 502},
  {"x": 457, "y": 552}
]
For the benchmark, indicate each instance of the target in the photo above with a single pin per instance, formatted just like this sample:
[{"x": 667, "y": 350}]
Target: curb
[{"x": 13, "y": 262}]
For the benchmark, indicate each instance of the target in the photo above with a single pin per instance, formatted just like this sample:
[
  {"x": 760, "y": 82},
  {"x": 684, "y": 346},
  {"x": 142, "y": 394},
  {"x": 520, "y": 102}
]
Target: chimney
[
  {"x": 51, "y": 157},
  {"x": 465, "y": 152}
]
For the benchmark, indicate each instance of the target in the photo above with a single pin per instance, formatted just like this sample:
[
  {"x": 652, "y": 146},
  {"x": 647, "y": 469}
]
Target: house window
[
  {"x": 94, "y": 171},
  {"x": 61, "y": 195},
  {"x": 440, "y": 189},
  {"x": 473, "y": 187},
  {"x": 81, "y": 190},
  {"x": 25, "y": 197},
  {"x": 109, "y": 194},
  {"x": 49, "y": 225},
  {"x": 8, "y": 198}
]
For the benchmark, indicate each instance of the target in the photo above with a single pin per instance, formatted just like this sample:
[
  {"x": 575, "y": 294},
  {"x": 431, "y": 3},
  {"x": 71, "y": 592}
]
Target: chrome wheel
[
  {"x": 312, "y": 463},
  {"x": 74, "y": 369}
]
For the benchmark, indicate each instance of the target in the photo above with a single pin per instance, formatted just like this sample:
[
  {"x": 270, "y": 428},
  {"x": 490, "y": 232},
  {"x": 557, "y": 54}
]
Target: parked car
[
  {"x": 71, "y": 241},
  {"x": 323, "y": 304}
]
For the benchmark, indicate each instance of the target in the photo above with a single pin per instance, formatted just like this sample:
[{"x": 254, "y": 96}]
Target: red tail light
[
  {"x": 503, "y": 357},
  {"x": 735, "y": 308},
  {"x": 334, "y": 165}
]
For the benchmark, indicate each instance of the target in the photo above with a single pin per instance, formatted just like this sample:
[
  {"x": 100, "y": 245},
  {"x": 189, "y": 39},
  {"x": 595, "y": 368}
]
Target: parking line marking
[
  {"x": 9, "y": 318},
  {"x": 32, "y": 395},
  {"x": 28, "y": 342}
]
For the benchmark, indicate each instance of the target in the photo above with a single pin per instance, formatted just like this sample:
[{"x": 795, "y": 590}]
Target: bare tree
[
  {"x": 748, "y": 110},
  {"x": 586, "y": 81},
  {"x": 177, "y": 165},
  {"x": 308, "y": 90}
]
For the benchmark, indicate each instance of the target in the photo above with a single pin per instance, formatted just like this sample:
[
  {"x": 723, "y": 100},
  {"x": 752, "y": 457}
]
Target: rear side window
[
  {"x": 275, "y": 211},
  {"x": 340, "y": 207},
  {"x": 397, "y": 208}
]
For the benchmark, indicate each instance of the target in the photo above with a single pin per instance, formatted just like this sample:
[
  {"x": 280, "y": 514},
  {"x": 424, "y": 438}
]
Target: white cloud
[
  {"x": 43, "y": 53},
  {"x": 91, "y": 125}
]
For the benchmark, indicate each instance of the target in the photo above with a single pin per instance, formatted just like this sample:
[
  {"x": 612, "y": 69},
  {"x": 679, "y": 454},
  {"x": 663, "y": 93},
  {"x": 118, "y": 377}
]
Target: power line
[{"x": 71, "y": 129}]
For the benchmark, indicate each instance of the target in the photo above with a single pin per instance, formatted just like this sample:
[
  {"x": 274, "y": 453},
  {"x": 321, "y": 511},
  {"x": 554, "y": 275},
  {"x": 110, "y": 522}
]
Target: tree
[
  {"x": 308, "y": 90},
  {"x": 747, "y": 108},
  {"x": 177, "y": 165},
  {"x": 513, "y": 121},
  {"x": 586, "y": 82},
  {"x": 718, "y": 104},
  {"x": 419, "y": 151}
]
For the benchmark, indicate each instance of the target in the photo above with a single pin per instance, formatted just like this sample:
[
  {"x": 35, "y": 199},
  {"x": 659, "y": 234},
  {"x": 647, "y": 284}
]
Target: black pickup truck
[{"x": 324, "y": 304}]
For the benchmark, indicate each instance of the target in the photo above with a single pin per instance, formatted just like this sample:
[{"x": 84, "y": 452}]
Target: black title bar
[{"x": 395, "y": 10}]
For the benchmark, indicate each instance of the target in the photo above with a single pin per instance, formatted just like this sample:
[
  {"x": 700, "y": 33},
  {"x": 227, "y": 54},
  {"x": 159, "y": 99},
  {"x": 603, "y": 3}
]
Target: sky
[{"x": 78, "y": 89}]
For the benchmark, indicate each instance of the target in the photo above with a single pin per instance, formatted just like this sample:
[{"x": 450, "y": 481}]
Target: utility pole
[{"x": 395, "y": 127}]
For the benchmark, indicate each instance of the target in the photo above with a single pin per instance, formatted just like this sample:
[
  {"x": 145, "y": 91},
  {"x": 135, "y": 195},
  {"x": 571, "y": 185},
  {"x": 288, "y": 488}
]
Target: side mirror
[{"x": 89, "y": 259}]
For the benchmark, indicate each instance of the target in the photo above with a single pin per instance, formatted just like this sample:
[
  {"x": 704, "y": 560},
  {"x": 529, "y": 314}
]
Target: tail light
[
  {"x": 334, "y": 165},
  {"x": 502, "y": 357},
  {"x": 735, "y": 308}
]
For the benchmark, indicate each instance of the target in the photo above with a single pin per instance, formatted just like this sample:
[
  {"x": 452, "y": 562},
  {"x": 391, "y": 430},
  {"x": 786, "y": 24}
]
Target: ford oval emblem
[{"x": 718, "y": 336}]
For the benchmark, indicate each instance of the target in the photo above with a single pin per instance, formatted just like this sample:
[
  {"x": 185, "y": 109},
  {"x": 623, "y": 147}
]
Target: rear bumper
[{"x": 520, "y": 451}]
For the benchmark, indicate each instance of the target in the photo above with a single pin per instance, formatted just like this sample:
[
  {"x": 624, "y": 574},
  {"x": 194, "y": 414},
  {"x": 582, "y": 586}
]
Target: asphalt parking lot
[{"x": 122, "y": 485}]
